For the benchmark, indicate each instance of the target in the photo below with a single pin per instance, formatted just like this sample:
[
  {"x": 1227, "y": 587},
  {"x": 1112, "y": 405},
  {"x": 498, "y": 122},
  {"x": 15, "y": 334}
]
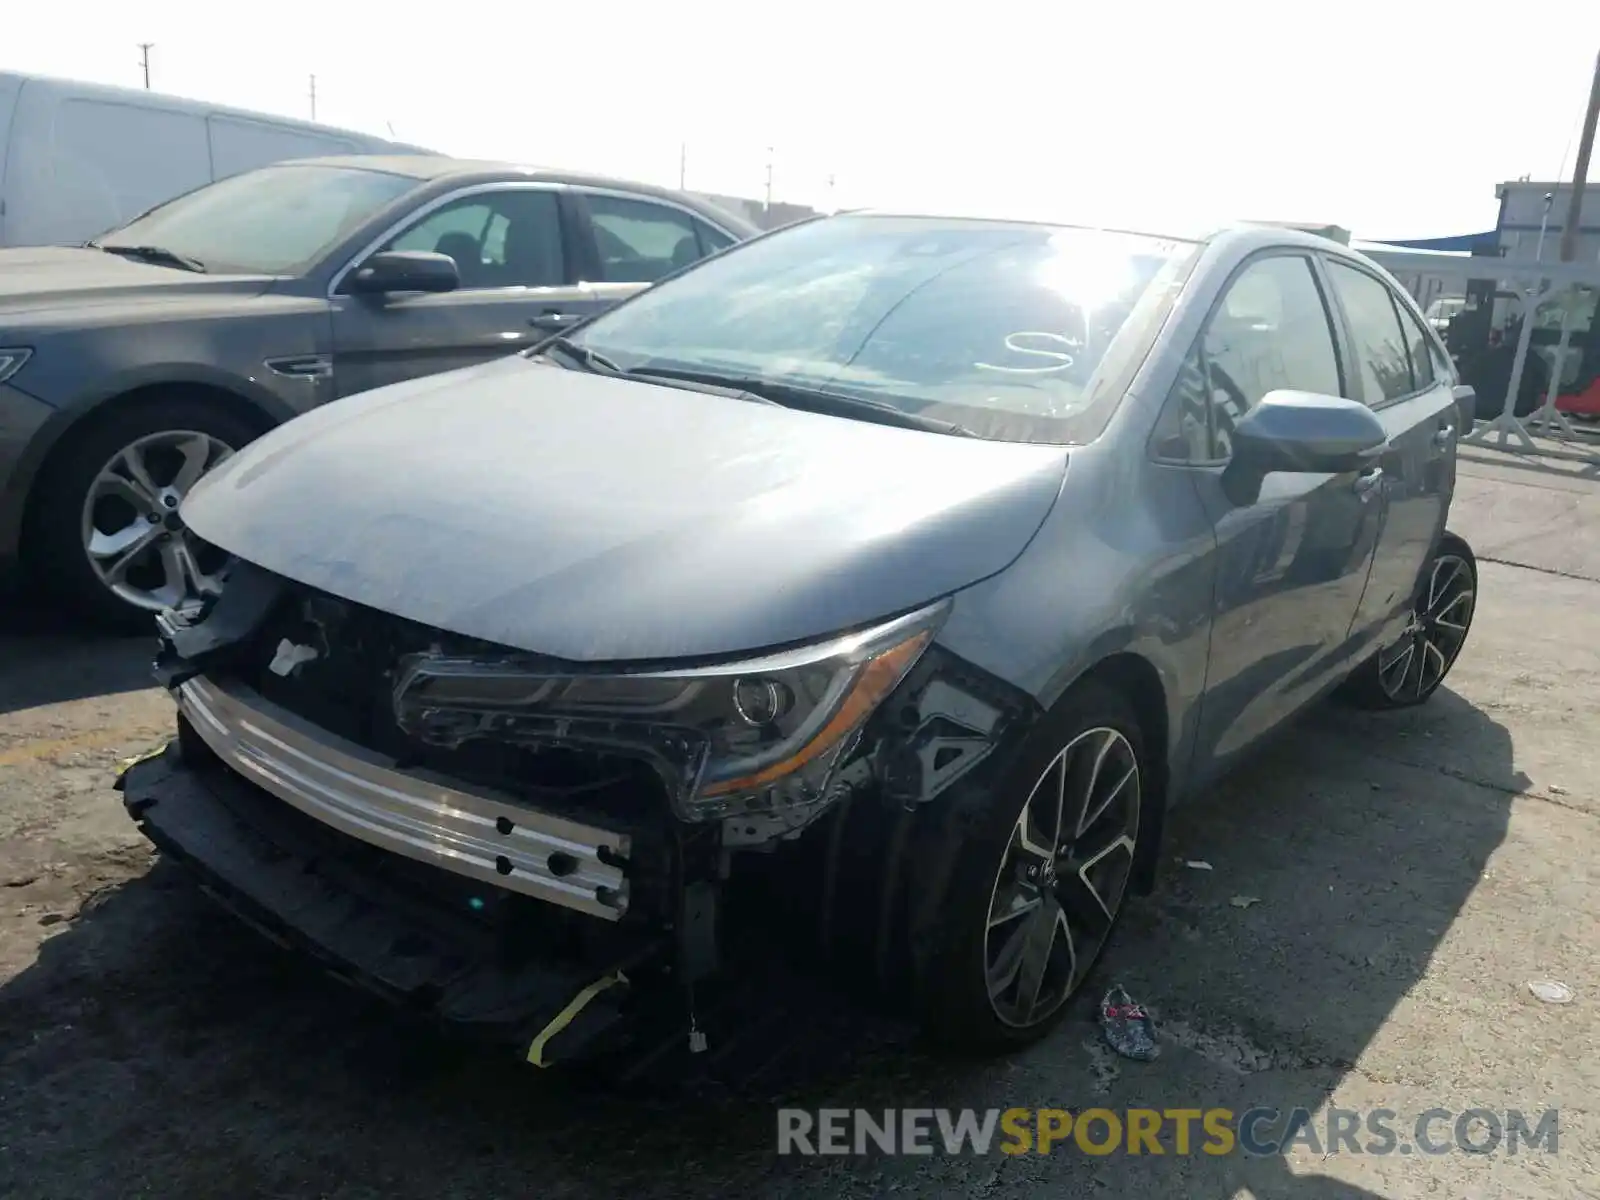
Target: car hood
[
  {"x": 53, "y": 277},
  {"x": 599, "y": 519}
]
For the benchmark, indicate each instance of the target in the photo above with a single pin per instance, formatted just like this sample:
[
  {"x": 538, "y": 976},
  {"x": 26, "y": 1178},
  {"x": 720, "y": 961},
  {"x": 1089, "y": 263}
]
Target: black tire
[
  {"x": 1373, "y": 685},
  {"x": 952, "y": 991},
  {"x": 54, "y": 539}
]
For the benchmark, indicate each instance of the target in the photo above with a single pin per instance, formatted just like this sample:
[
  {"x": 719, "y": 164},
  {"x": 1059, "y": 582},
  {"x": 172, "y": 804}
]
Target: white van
[{"x": 77, "y": 159}]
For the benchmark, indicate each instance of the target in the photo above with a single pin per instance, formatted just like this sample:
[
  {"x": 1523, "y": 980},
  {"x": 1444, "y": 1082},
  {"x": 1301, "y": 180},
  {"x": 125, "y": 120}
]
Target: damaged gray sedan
[{"x": 912, "y": 568}]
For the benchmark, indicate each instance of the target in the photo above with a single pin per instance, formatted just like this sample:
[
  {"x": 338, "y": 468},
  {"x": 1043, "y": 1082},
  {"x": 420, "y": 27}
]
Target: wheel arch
[
  {"x": 68, "y": 426},
  {"x": 1135, "y": 678}
]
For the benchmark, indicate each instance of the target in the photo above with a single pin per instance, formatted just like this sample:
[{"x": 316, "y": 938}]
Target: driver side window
[
  {"x": 1270, "y": 330},
  {"x": 497, "y": 239}
]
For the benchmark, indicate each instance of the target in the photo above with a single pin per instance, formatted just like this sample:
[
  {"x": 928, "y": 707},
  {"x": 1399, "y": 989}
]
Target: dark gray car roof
[{"x": 433, "y": 168}]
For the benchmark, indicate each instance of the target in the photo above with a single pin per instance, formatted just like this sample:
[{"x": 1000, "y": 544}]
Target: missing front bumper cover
[
  {"x": 292, "y": 880},
  {"x": 444, "y": 824}
]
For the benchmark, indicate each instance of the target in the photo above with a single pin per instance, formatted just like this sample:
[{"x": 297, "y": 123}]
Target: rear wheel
[
  {"x": 1410, "y": 669},
  {"x": 1040, "y": 879},
  {"x": 105, "y": 535}
]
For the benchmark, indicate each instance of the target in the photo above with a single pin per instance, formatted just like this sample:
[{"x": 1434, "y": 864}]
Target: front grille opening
[{"x": 347, "y": 689}]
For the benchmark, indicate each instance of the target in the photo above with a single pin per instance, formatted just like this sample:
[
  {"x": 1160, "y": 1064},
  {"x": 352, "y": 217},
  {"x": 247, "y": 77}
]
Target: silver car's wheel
[
  {"x": 132, "y": 535},
  {"x": 1414, "y": 666},
  {"x": 1062, "y": 877}
]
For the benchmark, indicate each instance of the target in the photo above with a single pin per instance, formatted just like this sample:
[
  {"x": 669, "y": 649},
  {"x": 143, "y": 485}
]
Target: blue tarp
[{"x": 1469, "y": 243}]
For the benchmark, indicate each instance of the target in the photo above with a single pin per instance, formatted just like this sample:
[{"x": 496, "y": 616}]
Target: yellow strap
[
  {"x": 133, "y": 760},
  {"x": 568, "y": 1014}
]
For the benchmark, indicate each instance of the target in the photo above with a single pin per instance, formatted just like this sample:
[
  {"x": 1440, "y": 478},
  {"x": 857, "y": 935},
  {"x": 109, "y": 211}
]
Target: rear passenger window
[
  {"x": 1382, "y": 356},
  {"x": 639, "y": 242},
  {"x": 711, "y": 240},
  {"x": 1268, "y": 332},
  {"x": 1426, "y": 366}
]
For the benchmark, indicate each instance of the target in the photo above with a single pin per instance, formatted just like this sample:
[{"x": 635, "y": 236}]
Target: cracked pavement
[{"x": 1399, "y": 880}]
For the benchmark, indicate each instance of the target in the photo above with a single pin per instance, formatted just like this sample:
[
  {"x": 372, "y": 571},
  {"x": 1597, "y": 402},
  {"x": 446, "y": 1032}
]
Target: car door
[
  {"x": 512, "y": 246},
  {"x": 636, "y": 241},
  {"x": 1291, "y": 566},
  {"x": 1402, "y": 374}
]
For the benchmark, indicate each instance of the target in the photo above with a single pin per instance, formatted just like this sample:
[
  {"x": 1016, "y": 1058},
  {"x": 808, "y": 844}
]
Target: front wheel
[
  {"x": 106, "y": 537},
  {"x": 1409, "y": 670},
  {"x": 1040, "y": 877}
]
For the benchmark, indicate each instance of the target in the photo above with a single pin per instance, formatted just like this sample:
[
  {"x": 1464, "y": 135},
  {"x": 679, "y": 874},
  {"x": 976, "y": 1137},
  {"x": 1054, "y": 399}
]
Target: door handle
[
  {"x": 1368, "y": 482},
  {"x": 1441, "y": 439},
  {"x": 553, "y": 319}
]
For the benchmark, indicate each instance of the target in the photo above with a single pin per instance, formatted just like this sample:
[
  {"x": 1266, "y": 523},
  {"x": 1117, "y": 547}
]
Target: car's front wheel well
[
  {"x": 145, "y": 396},
  {"x": 1137, "y": 680},
  {"x": 73, "y": 478}
]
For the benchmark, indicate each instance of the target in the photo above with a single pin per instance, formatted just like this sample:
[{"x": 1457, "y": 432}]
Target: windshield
[
  {"x": 278, "y": 220},
  {"x": 999, "y": 328}
]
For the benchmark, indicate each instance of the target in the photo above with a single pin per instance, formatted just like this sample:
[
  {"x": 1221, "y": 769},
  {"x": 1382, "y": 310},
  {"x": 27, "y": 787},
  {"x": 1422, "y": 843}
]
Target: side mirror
[
  {"x": 1302, "y": 433},
  {"x": 1467, "y": 406},
  {"x": 405, "y": 271}
]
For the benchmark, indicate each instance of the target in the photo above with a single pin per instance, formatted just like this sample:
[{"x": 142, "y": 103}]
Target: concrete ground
[{"x": 1380, "y": 892}]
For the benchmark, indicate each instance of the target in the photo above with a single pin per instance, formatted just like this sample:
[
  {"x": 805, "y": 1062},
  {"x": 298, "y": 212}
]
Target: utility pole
[
  {"x": 1580, "y": 169},
  {"x": 313, "y": 97},
  {"x": 683, "y": 164},
  {"x": 767, "y": 204},
  {"x": 144, "y": 61}
]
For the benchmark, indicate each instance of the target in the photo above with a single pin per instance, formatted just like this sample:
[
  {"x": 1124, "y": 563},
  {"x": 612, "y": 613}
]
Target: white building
[{"x": 1525, "y": 211}]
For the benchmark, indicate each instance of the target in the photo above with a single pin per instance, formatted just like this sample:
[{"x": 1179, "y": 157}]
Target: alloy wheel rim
[
  {"x": 1062, "y": 877},
  {"x": 132, "y": 535},
  {"x": 1417, "y": 662}
]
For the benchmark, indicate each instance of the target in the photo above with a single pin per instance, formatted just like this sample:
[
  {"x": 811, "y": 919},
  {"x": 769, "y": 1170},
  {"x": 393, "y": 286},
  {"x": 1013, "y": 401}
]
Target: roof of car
[
  {"x": 1178, "y": 230},
  {"x": 432, "y": 167}
]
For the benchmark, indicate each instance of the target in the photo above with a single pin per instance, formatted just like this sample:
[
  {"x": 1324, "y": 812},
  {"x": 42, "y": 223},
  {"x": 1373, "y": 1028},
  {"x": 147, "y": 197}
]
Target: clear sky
[{"x": 1391, "y": 117}]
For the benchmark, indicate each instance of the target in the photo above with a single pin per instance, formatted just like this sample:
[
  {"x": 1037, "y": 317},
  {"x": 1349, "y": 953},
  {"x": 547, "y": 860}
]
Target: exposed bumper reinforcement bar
[
  {"x": 292, "y": 880},
  {"x": 365, "y": 796}
]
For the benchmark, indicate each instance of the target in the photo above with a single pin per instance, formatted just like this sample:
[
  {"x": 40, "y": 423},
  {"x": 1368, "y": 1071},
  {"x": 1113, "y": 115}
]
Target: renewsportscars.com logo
[{"x": 1258, "y": 1132}]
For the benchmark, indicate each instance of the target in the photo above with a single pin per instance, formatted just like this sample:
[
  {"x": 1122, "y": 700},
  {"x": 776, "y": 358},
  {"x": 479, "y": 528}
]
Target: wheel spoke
[
  {"x": 1430, "y": 648},
  {"x": 1398, "y": 667},
  {"x": 1097, "y": 794},
  {"x": 1083, "y": 903},
  {"x": 1039, "y": 823},
  {"x": 133, "y": 550},
  {"x": 1003, "y": 971},
  {"x": 1437, "y": 587},
  {"x": 112, "y": 486},
  {"x": 134, "y": 536},
  {"x": 1464, "y": 596},
  {"x": 1045, "y": 931},
  {"x": 196, "y": 453},
  {"x": 1017, "y": 904},
  {"x": 132, "y": 460}
]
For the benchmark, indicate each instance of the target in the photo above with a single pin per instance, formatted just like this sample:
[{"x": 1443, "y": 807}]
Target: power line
[{"x": 144, "y": 61}]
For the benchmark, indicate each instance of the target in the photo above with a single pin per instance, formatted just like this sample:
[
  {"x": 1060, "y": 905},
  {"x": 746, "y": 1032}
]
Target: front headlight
[
  {"x": 752, "y": 736},
  {"x": 11, "y": 361}
]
